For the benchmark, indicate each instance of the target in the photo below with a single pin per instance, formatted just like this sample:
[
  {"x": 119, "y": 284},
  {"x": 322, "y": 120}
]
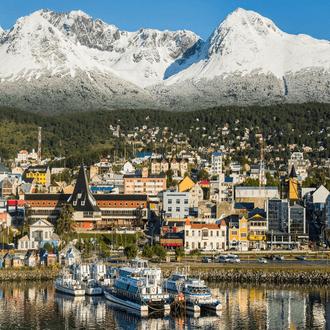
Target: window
[
  {"x": 218, "y": 233},
  {"x": 186, "y": 201},
  {"x": 243, "y": 225},
  {"x": 177, "y": 209},
  {"x": 74, "y": 203},
  {"x": 142, "y": 204},
  {"x": 170, "y": 201},
  {"x": 186, "y": 209},
  {"x": 223, "y": 233},
  {"x": 187, "y": 232},
  {"x": 234, "y": 232},
  {"x": 205, "y": 233},
  {"x": 169, "y": 209},
  {"x": 103, "y": 204},
  {"x": 120, "y": 204},
  {"x": 211, "y": 233},
  {"x": 193, "y": 233},
  {"x": 178, "y": 201},
  {"x": 243, "y": 235}
]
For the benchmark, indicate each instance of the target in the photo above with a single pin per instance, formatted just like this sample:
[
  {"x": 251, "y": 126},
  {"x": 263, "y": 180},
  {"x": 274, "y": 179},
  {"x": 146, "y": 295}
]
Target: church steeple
[
  {"x": 82, "y": 198},
  {"x": 293, "y": 173}
]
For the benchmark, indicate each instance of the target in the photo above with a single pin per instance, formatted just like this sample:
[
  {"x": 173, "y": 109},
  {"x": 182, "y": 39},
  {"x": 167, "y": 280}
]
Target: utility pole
[{"x": 39, "y": 144}]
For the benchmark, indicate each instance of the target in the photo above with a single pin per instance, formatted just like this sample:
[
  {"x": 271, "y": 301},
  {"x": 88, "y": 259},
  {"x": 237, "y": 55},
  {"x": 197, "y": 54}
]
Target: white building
[
  {"x": 176, "y": 204},
  {"x": 208, "y": 236},
  {"x": 216, "y": 163},
  {"x": 40, "y": 233},
  {"x": 300, "y": 165}
]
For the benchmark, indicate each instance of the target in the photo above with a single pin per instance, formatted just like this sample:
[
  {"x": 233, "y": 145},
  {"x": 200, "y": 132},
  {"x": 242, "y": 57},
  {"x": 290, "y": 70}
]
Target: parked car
[
  {"x": 223, "y": 258},
  {"x": 271, "y": 257},
  {"x": 206, "y": 259},
  {"x": 233, "y": 258},
  {"x": 262, "y": 261},
  {"x": 302, "y": 258},
  {"x": 187, "y": 250},
  {"x": 280, "y": 257}
]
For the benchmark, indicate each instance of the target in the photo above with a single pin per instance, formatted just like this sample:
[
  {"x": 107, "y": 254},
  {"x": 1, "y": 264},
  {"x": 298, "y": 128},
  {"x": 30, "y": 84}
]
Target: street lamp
[{"x": 272, "y": 241}]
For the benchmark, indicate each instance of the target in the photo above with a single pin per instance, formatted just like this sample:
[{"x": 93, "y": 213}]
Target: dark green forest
[{"x": 86, "y": 135}]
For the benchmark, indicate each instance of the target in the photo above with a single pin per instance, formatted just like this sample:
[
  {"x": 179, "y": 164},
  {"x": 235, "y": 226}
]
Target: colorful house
[{"x": 238, "y": 235}]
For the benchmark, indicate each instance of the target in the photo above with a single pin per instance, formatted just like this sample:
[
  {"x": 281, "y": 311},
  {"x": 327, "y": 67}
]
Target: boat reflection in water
[{"x": 37, "y": 306}]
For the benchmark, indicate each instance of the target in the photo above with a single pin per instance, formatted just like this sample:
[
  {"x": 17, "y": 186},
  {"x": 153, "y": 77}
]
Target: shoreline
[{"x": 242, "y": 273}]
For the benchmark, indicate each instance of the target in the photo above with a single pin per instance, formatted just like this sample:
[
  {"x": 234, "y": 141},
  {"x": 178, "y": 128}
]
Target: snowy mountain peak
[{"x": 250, "y": 20}]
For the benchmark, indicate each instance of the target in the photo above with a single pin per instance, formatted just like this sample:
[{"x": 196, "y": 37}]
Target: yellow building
[
  {"x": 186, "y": 184},
  {"x": 257, "y": 227},
  {"x": 40, "y": 173},
  {"x": 238, "y": 235},
  {"x": 292, "y": 186}
]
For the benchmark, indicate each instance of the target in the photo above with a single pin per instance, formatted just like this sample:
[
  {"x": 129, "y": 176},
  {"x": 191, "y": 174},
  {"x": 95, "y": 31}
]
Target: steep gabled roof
[
  {"x": 293, "y": 173},
  {"x": 82, "y": 198}
]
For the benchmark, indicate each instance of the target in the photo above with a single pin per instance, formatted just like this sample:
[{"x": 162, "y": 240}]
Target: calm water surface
[{"x": 37, "y": 306}]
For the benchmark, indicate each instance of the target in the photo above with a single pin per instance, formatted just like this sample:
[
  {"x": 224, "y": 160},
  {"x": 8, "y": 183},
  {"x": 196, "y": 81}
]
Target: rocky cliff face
[{"x": 60, "y": 62}]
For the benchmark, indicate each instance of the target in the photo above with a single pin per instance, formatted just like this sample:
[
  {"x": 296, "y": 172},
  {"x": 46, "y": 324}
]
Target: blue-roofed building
[
  {"x": 144, "y": 155},
  {"x": 69, "y": 256}
]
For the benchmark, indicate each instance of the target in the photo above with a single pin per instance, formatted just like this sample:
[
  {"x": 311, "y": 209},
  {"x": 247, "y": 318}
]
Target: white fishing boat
[
  {"x": 195, "y": 292},
  {"x": 139, "y": 287},
  {"x": 88, "y": 276},
  {"x": 66, "y": 283}
]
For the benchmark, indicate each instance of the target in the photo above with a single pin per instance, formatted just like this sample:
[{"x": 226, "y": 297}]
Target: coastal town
[{"x": 170, "y": 205}]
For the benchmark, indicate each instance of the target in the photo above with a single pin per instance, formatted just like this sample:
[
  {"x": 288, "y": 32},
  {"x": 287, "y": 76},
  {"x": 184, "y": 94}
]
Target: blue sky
[{"x": 201, "y": 17}]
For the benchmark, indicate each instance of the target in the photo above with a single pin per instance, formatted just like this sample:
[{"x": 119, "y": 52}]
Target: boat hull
[
  {"x": 70, "y": 291},
  {"x": 141, "y": 309},
  {"x": 97, "y": 291}
]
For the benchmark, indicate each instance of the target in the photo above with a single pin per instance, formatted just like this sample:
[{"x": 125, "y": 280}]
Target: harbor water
[{"x": 36, "y": 306}]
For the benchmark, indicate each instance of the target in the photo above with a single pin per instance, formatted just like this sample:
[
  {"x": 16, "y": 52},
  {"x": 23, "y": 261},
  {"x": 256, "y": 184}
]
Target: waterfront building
[
  {"x": 91, "y": 211},
  {"x": 40, "y": 232},
  {"x": 238, "y": 235},
  {"x": 257, "y": 227},
  {"x": 202, "y": 235}
]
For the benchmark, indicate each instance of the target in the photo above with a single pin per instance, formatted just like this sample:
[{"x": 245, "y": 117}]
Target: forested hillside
[{"x": 86, "y": 135}]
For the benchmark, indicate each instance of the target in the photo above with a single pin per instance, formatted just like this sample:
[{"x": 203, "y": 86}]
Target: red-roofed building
[
  {"x": 204, "y": 184},
  {"x": 202, "y": 235}
]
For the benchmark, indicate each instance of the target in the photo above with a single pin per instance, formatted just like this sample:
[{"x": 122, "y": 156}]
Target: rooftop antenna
[{"x": 39, "y": 144}]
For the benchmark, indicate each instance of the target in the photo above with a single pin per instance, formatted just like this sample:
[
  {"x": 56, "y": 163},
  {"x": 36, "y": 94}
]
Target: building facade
[{"x": 208, "y": 236}]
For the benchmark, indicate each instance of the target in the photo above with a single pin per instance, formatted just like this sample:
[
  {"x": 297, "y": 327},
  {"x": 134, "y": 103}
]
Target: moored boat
[
  {"x": 66, "y": 283},
  {"x": 138, "y": 287},
  {"x": 195, "y": 292}
]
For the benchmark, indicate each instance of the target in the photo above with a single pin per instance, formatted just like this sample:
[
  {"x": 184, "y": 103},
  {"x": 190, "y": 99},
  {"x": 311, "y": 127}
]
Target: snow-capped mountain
[
  {"x": 140, "y": 57},
  {"x": 69, "y": 62},
  {"x": 248, "y": 43}
]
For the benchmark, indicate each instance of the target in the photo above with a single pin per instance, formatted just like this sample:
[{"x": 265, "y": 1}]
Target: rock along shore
[
  {"x": 28, "y": 275},
  {"x": 257, "y": 276}
]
